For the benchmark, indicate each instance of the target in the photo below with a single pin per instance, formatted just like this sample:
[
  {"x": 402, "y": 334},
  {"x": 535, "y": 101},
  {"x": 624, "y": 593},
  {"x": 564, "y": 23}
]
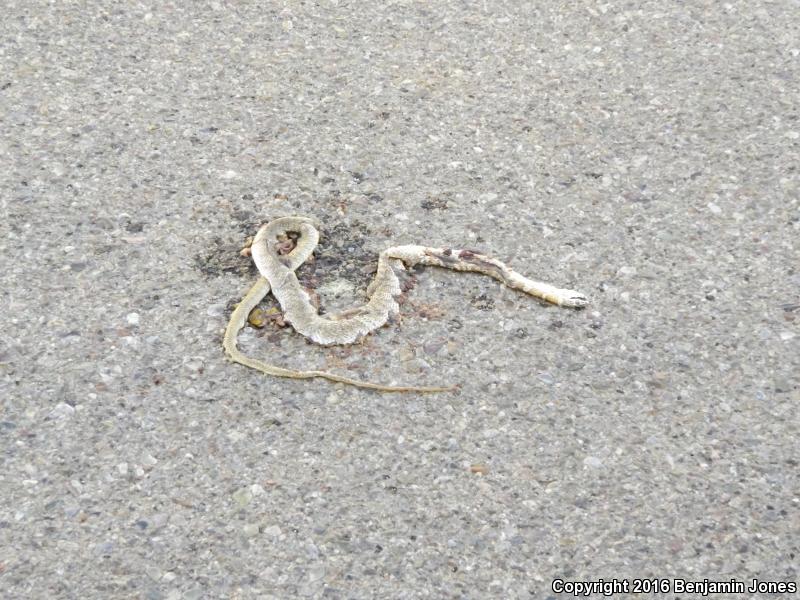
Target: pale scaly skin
[
  {"x": 351, "y": 325},
  {"x": 257, "y": 293},
  {"x": 237, "y": 321}
]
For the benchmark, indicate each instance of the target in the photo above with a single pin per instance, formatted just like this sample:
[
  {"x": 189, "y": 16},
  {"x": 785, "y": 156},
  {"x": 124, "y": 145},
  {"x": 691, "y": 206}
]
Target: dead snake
[{"x": 347, "y": 327}]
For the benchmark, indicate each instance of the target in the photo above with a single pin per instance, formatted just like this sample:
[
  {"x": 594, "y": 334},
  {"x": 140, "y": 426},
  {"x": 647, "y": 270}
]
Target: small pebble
[
  {"x": 242, "y": 497},
  {"x": 547, "y": 378},
  {"x": 194, "y": 594},
  {"x": 62, "y": 410},
  {"x": 215, "y": 310},
  {"x": 104, "y": 548},
  {"x": 433, "y": 347},
  {"x": 592, "y": 462},
  {"x": 272, "y": 531},
  {"x": 194, "y": 364},
  {"x": 405, "y": 354},
  {"x": 158, "y": 520}
]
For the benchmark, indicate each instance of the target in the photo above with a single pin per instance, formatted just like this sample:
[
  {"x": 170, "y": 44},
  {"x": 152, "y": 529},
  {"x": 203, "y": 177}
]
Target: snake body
[{"x": 347, "y": 327}]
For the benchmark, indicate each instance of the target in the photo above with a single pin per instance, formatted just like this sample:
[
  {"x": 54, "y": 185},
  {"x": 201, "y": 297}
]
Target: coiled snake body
[{"x": 349, "y": 326}]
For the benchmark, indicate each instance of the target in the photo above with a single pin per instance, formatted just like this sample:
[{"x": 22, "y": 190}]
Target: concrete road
[{"x": 645, "y": 153}]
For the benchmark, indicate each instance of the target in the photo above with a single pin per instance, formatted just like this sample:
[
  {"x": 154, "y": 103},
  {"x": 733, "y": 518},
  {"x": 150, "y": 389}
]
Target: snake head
[{"x": 573, "y": 299}]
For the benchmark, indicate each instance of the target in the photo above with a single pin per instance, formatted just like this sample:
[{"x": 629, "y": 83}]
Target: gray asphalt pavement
[{"x": 645, "y": 153}]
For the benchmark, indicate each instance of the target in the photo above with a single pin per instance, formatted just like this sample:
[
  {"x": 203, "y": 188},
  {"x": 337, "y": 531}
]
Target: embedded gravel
[{"x": 645, "y": 153}]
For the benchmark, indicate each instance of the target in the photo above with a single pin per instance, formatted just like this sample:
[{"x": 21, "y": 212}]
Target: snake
[{"x": 282, "y": 245}]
